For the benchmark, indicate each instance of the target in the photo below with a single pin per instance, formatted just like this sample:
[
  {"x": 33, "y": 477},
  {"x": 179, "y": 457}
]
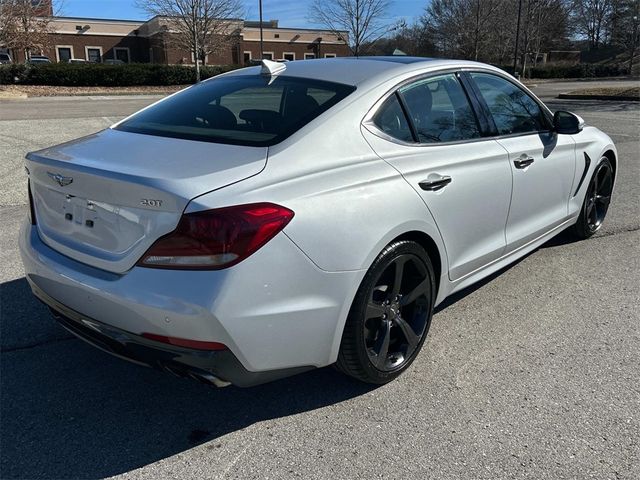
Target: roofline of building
[
  {"x": 304, "y": 29},
  {"x": 106, "y": 20},
  {"x": 142, "y": 22}
]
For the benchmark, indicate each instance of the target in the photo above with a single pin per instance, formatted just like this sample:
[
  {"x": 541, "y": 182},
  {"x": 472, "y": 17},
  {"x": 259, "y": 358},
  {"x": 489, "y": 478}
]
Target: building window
[
  {"x": 329, "y": 55},
  {"x": 289, "y": 56},
  {"x": 276, "y": 35},
  {"x": 267, "y": 55},
  {"x": 94, "y": 54},
  {"x": 122, "y": 53},
  {"x": 309, "y": 56},
  {"x": 247, "y": 58},
  {"x": 64, "y": 53}
]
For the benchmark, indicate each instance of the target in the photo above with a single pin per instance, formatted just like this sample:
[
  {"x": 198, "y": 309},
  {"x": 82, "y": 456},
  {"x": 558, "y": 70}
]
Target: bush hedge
[
  {"x": 581, "y": 70},
  {"x": 99, "y": 75}
]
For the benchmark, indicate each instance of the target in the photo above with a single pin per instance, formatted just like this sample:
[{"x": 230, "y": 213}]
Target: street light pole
[
  {"x": 515, "y": 53},
  {"x": 261, "y": 38}
]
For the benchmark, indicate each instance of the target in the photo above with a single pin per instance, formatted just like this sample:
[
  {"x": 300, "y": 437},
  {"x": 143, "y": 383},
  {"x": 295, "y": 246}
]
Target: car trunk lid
[{"x": 104, "y": 199}]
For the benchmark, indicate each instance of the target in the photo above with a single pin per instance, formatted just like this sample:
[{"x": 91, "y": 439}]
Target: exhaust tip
[{"x": 210, "y": 379}]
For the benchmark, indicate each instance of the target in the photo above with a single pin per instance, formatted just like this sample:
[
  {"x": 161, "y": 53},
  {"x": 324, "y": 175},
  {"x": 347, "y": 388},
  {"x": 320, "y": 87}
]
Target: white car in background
[{"x": 273, "y": 220}]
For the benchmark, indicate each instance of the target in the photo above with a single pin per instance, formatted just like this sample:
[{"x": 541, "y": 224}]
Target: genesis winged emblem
[{"x": 61, "y": 179}]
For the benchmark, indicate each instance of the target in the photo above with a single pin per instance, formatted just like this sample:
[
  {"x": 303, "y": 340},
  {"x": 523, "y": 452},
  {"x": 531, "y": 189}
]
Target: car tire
[
  {"x": 390, "y": 315},
  {"x": 596, "y": 201}
]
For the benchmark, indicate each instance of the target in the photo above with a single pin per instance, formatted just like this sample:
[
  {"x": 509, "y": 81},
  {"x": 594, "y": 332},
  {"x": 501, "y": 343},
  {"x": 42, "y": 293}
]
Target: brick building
[{"x": 98, "y": 40}]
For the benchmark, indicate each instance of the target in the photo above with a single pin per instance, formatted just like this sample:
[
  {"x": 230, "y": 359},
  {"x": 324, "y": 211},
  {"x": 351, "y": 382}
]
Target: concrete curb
[
  {"x": 12, "y": 96},
  {"x": 575, "y": 96}
]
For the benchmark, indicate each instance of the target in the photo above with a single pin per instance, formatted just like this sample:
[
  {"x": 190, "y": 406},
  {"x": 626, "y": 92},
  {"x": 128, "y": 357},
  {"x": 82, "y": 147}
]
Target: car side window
[
  {"x": 512, "y": 109},
  {"x": 391, "y": 120},
  {"x": 440, "y": 110}
]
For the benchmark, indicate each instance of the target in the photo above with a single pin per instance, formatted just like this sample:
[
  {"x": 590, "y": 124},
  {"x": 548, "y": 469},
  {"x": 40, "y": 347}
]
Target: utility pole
[
  {"x": 515, "y": 53},
  {"x": 261, "y": 38}
]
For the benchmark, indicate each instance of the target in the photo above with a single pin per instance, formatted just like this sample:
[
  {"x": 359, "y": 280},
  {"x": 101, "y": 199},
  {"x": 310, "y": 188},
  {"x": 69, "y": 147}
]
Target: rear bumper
[
  {"x": 276, "y": 312},
  {"x": 219, "y": 368}
]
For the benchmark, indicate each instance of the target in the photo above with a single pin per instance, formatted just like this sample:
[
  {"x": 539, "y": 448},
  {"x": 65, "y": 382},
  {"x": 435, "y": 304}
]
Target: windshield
[
  {"x": 4, "y": 56},
  {"x": 241, "y": 110}
]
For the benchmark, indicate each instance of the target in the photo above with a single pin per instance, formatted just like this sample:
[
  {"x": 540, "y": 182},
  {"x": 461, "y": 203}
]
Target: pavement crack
[{"x": 36, "y": 345}]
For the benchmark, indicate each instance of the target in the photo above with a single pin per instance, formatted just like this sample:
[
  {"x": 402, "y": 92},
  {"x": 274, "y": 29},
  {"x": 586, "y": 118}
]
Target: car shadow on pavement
[{"x": 69, "y": 410}]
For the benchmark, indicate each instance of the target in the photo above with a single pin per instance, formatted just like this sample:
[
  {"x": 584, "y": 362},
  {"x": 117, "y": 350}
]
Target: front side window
[
  {"x": 241, "y": 110},
  {"x": 440, "y": 110},
  {"x": 513, "y": 111}
]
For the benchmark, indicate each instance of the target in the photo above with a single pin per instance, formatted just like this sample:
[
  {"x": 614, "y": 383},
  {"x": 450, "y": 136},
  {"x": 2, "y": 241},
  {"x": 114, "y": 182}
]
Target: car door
[
  {"x": 542, "y": 161},
  {"x": 428, "y": 131}
]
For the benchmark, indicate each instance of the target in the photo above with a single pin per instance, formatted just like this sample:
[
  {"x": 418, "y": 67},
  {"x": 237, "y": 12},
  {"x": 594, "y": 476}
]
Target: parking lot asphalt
[{"x": 534, "y": 373}]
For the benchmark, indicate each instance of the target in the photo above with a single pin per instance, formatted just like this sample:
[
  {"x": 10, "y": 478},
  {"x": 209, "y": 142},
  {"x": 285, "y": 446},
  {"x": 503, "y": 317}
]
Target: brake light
[
  {"x": 32, "y": 210},
  {"x": 216, "y": 239},
  {"x": 183, "y": 342}
]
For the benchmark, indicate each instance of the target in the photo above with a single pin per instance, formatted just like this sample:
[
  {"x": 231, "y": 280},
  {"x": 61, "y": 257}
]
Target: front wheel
[
  {"x": 390, "y": 316},
  {"x": 596, "y": 201}
]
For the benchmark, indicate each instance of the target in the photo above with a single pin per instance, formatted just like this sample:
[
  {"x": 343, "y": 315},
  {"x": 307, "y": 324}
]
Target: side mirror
[{"x": 567, "y": 123}]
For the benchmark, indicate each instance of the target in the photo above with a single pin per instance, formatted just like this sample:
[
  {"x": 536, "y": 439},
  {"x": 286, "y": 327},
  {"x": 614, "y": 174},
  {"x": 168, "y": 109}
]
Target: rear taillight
[
  {"x": 32, "y": 210},
  {"x": 216, "y": 239}
]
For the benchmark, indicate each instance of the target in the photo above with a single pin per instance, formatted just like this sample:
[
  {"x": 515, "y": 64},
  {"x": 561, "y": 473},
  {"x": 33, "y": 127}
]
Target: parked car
[
  {"x": 5, "y": 59},
  {"x": 38, "y": 59},
  {"x": 286, "y": 217},
  {"x": 78, "y": 60},
  {"x": 114, "y": 61}
]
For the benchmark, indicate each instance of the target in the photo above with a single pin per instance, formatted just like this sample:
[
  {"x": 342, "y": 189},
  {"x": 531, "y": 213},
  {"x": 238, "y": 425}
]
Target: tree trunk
[{"x": 477, "y": 31}]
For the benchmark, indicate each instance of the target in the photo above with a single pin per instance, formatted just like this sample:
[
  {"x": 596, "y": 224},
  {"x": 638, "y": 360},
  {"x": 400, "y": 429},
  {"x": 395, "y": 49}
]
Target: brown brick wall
[
  {"x": 138, "y": 47},
  {"x": 159, "y": 49},
  {"x": 174, "y": 55},
  {"x": 299, "y": 49}
]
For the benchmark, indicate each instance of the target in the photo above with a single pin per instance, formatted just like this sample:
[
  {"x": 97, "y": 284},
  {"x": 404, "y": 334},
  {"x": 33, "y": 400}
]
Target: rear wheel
[
  {"x": 390, "y": 316},
  {"x": 596, "y": 201}
]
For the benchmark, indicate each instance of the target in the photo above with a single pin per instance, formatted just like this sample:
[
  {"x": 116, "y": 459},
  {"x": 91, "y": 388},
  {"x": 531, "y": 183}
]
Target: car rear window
[
  {"x": 241, "y": 110},
  {"x": 4, "y": 56}
]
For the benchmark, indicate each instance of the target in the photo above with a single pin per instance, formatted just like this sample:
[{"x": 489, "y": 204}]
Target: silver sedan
[{"x": 286, "y": 217}]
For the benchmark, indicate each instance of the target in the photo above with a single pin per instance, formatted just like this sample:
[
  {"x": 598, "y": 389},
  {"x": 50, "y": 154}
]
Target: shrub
[
  {"x": 581, "y": 70},
  {"x": 8, "y": 73},
  {"x": 99, "y": 75}
]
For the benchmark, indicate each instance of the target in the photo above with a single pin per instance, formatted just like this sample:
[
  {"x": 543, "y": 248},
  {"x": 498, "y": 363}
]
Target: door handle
[
  {"x": 435, "y": 184},
  {"x": 523, "y": 162}
]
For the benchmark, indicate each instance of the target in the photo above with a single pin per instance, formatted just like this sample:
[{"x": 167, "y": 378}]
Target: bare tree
[
  {"x": 465, "y": 28},
  {"x": 486, "y": 29},
  {"x": 202, "y": 27},
  {"x": 364, "y": 20},
  {"x": 410, "y": 39},
  {"x": 625, "y": 27},
  {"x": 543, "y": 22},
  {"x": 23, "y": 27},
  {"x": 589, "y": 18}
]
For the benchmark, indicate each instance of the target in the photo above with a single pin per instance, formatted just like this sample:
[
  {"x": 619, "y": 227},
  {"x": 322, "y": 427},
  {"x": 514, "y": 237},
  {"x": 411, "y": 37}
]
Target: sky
[{"x": 290, "y": 13}]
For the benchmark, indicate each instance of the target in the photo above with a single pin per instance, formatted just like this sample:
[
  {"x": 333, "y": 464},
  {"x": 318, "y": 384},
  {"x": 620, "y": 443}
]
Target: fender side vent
[{"x": 587, "y": 163}]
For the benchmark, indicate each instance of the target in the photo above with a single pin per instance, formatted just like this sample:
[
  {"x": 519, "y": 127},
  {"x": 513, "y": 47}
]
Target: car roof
[{"x": 357, "y": 70}]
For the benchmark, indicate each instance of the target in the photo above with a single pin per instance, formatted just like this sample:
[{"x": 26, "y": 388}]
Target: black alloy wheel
[
  {"x": 597, "y": 200},
  {"x": 391, "y": 314}
]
